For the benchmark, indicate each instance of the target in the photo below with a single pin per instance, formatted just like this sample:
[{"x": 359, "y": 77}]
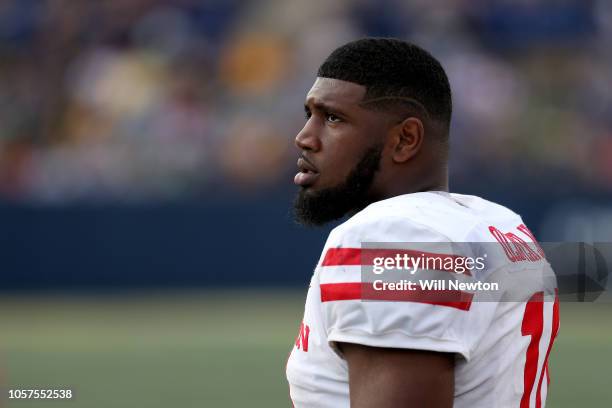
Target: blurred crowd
[{"x": 132, "y": 100}]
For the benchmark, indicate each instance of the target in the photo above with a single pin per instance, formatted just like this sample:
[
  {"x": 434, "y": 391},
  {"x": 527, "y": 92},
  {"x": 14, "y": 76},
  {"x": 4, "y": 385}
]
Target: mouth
[{"x": 307, "y": 173}]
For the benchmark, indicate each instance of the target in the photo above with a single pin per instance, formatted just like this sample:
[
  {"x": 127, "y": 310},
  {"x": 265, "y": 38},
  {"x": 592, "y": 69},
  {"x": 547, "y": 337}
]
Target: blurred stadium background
[{"x": 147, "y": 250}]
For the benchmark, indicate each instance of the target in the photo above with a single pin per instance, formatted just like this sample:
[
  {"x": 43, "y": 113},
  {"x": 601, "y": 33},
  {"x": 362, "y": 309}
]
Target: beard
[{"x": 319, "y": 208}]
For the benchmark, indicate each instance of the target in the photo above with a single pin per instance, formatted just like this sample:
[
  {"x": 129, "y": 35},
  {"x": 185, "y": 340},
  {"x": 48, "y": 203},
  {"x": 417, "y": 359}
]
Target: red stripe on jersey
[
  {"x": 553, "y": 336},
  {"x": 340, "y": 291},
  {"x": 342, "y": 256},
  {"x": 331, "y": 292},
  {"x": 365, "y": 256}
]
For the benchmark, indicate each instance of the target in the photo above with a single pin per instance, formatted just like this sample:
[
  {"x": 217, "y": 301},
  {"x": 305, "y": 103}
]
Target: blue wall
[
  {"x": 222, "y": 243},
  {"x": 232, "y": 241}
]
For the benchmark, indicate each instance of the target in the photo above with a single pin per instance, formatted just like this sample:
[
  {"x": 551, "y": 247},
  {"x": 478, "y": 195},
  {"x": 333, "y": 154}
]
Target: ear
[{"x": 407, "y": 140}]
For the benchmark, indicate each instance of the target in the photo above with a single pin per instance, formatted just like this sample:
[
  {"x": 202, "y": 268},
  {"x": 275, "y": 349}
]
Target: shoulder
[
  {"x": 423, "y": 217},
  {"x": 484, "y": 208},
  {"x": 386, "y": 221}
]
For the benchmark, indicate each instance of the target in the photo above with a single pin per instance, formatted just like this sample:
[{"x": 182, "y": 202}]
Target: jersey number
[{"x": 533, "y": 325}]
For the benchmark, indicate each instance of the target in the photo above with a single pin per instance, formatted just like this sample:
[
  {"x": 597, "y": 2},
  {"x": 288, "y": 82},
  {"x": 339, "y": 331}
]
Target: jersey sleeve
[{"x": 434, "y": 320}]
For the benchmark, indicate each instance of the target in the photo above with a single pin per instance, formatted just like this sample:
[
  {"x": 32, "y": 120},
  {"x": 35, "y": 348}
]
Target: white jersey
[{"x": 501, "y": 344}]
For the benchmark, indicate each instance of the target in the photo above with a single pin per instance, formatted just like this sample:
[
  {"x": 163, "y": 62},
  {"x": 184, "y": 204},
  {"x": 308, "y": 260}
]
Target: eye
[
  {"x": 307, "y": 114},
  {"x": 330, "y": 117}
]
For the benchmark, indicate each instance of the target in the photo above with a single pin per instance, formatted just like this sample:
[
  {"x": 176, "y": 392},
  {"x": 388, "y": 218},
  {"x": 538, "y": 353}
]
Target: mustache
[{"x": 307, "y": 160}]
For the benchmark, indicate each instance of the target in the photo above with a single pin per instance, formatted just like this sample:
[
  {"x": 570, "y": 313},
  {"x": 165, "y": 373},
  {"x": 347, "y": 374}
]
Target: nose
[{"x": 307, "y": 138}]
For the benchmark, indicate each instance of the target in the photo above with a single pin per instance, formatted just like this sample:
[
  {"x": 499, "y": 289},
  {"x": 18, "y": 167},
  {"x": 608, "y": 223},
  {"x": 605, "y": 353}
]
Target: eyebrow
[{"x": 322, "y": 106}]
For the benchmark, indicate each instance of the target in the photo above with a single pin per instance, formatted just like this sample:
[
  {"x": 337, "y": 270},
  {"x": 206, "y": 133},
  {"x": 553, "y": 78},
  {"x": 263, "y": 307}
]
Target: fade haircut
[{"x": 396, "y": 74}]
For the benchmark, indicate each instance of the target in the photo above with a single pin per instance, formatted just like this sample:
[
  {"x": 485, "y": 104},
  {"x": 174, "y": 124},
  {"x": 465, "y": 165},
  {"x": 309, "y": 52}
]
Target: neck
[
  {"x": 393, "y": 192},
  {"x": 411, "y": 183}
]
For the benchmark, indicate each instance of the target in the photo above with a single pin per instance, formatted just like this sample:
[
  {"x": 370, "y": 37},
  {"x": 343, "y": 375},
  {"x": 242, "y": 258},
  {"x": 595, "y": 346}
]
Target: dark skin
[
  {"x": 340, "y": 127},
  {"x": 398, "y": 378}
]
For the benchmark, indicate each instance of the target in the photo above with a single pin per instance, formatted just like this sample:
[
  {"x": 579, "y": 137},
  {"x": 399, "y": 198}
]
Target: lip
[
  {"x": 307, "y": 174},
  {"x": 305, "y": 165}
]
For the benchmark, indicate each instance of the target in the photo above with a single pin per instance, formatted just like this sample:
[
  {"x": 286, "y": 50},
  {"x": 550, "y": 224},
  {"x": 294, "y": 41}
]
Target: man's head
[{"x": 377, "y": 122}]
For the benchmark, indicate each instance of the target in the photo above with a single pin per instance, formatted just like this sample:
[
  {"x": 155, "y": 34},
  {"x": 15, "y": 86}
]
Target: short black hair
[{"x": 393, "y": 70}]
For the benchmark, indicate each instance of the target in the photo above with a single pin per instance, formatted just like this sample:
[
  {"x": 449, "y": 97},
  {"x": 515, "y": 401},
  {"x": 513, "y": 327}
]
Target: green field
[{"x": 219, "y": 349}]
